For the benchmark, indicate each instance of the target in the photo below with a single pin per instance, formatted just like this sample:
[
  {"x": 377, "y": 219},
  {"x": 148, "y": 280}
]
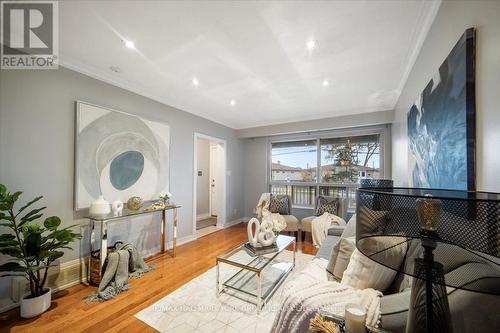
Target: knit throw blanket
[
  {"x": 300, "y": 305},
  {"x": 124, "y": 263},
  {"x": 320, "y": 225}
]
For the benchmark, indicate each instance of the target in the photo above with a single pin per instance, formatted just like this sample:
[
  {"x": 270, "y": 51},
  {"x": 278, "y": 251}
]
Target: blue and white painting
[
  {"x": 437, "y": 127},
  {"x": 119, "y": 156}
]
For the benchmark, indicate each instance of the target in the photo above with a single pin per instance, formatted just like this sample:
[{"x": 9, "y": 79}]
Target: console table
[{"x": 104, "y": 220}]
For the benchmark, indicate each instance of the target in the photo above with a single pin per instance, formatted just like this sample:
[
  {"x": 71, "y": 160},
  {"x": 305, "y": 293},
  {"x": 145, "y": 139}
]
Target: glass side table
[{"x": 104, "y": 220}]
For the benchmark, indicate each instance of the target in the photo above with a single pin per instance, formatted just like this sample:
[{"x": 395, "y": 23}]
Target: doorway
[{"x": 209, "y": 184}]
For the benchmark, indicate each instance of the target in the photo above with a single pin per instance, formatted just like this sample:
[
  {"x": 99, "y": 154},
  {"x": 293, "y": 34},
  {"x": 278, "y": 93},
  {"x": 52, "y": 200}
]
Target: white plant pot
[{"x": 32, "y": 307}]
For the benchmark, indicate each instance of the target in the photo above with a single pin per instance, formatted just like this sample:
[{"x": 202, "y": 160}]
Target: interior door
[{"x": 213, "y": 179}]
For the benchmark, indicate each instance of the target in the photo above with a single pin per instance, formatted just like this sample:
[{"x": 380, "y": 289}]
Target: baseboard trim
[
  {"x": 7, "y": 304},
  {"x": 73, "y": 272},
  {"x": 63, "y": 276},
  {"x": 235, "y": 222},
  {"x": 203, "y": 217}
]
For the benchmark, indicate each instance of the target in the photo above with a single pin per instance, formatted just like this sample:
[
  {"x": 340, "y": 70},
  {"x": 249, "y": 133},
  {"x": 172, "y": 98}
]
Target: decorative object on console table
[
  {"x": 134, "y": 203},
  {"x": 442, "y": 124},
  {"x": 99, "y": 207},
  {"x": 439, "y": 224},
  {"x": 165, "y": 197},
  {"x": 117, "y": 207},
  {"x": 161, "y": 203},
  {"x": 118, "y": 155},
  {"x": 104, "y": 220}
]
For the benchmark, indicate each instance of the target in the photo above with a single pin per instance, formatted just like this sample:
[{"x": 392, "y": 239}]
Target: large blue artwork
[{"x": 441, "y": 124}]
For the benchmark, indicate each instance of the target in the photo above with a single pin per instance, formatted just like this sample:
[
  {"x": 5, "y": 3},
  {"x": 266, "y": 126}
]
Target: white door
[{"x": 213, "y": 178}]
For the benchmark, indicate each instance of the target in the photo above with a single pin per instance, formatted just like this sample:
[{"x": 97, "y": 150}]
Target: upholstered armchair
[
  {"x": 281, "y": 204},
  {"x": 334, "y": 230}
]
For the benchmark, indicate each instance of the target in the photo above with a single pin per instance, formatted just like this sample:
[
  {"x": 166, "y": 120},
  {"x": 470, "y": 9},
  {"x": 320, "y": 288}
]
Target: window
[
  {"x": 333, "y": 166},
  {"x": 346, "y": 160},
  {"x": 294, "y": 161}
]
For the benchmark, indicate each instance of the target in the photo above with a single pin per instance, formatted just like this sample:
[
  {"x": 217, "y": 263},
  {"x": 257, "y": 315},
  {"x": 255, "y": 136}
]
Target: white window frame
[{"x": 384, "y": 132}]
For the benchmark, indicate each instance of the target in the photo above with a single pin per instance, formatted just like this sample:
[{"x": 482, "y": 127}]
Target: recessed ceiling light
[
  {"x": 195, "y": 82},
  {"x": 233, "y": 102},
  {"x": 129, "y": 44},
  {"x": 311, "y": 44},
  {"x": 326, "y": 82}
]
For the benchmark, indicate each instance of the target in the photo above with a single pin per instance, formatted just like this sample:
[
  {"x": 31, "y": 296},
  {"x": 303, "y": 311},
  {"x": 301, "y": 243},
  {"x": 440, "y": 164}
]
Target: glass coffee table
[{"x": 257, "y": 276}]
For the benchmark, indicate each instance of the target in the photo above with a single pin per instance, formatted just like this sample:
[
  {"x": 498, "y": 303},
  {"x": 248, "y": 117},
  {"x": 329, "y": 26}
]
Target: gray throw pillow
[
  {"x": 339, "y": 258},
  {"x": 327, "y": 205},
  {"x": 279, "y": 204}
]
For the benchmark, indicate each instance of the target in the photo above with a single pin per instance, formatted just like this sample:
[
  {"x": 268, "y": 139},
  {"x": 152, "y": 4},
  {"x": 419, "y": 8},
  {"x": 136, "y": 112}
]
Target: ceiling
[{"x": 254, "y": 53}]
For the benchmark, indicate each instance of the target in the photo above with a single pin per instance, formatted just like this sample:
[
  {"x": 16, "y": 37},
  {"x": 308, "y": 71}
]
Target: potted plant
[{"x": 33, "y": 248}]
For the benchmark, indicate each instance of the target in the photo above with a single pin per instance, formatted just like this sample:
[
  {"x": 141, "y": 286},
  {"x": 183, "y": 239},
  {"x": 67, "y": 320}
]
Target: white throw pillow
[
  {"x": 363, "y": 272},
  {"x": 350, "y": 229},
  {"x": 339, "y": 258}
]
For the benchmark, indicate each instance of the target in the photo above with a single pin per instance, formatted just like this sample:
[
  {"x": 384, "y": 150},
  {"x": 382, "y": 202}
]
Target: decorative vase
[
  {"x": 134, "y": 203},
  {"x": 34, "y": 306},
  {"x": 117, "y": 207},
  {"x": 99, "y": 207}
]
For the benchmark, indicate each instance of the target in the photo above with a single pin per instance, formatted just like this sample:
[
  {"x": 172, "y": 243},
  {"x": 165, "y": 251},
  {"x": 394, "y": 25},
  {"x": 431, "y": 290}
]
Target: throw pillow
[
  {"x": 363, "y": 272},
  {"x": 350, "y": 229},
  {"x": 327, "y": 205},
  {"x": 279, "y": 204},
  {"x": 340, "y": 257}
]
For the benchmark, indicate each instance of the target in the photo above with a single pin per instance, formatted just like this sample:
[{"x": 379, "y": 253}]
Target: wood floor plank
[{"x": 69, "y": 313}]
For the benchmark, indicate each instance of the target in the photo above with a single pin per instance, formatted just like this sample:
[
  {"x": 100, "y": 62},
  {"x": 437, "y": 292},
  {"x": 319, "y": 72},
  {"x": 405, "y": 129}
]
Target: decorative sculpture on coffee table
[{"x": 266, "y": 231}]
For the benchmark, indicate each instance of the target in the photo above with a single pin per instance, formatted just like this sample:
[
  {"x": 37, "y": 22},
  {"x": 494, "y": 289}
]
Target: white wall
[
  {"x": 37, "y": 115},
  {"x": 451, "y": 21},
  {"x": 332, "y": 123},
  {"x": 202, "y": 182}
]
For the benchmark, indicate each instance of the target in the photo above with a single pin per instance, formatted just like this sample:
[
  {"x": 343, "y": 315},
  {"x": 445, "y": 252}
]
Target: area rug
[{"x": 195, "y": 308}]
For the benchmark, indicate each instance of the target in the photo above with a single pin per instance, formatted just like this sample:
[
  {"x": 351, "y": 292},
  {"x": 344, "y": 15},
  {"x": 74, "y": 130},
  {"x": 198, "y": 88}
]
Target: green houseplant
[{"x": 32, "y": 247}]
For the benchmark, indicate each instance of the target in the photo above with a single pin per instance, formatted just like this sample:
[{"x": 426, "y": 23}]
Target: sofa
[{"x": 470, "y": 312}]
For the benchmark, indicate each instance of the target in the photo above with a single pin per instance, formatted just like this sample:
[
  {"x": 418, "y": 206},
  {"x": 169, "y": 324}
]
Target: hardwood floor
[{"x": 69, "y": 313}]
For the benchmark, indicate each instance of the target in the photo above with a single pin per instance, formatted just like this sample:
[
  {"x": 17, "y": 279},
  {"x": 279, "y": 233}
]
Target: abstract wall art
[
  {"x": 119, "y": 156},
  {"x": 441, "y": 124}
]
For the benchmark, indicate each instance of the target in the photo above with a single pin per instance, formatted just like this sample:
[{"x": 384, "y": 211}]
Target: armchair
[{"x": 334, "y": 230}]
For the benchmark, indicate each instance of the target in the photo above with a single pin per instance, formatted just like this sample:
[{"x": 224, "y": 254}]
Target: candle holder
[{"x": 355, "y": 318}]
